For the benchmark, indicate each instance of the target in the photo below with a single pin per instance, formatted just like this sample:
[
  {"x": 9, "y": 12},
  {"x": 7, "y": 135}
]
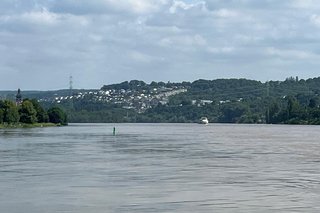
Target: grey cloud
[
  {"x": 84, "y": 7},
  {"x": 13, "y": 7},
  {"x": 80, "y": 7},
  {"x": 249, "y": 4},
  {"x": 106, "y": 41}
]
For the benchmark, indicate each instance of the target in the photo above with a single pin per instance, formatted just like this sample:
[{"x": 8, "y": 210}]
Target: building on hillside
[{"x": 18, "y": 98}]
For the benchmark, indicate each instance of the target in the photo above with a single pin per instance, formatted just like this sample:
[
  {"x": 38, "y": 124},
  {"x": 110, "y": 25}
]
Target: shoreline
[{"x": 24, "y": 125}]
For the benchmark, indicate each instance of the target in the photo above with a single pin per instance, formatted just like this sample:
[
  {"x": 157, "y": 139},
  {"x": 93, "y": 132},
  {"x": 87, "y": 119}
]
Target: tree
[
  {"x": 11, "y": 114},
  {"x": 1, "y": 111},
  {"x": 272, "y": 112},
  {"x": 1, "y": 115},
  {"x": 42, "y": 115},
  {"x": 312, "y": 103},
  {"x": 27, "y": 112},
  {"x": 57, "y": 116},
  {"x": 293, "y": 107},
  {"x": 232, "y": 112}
]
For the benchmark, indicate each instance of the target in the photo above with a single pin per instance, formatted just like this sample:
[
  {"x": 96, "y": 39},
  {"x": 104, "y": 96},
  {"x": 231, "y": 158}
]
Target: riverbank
[{"x": 23, "y": 125}]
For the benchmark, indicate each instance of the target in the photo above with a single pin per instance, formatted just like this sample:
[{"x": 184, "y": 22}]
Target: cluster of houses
[{"x": 139, "y": 100}]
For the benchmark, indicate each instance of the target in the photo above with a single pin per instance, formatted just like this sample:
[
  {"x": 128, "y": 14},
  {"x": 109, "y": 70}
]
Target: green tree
[
  {"x": 1, "y": 115},
  {"x": 28, "y": 114},
  {"x": 42, "y": 115},
  {"x": 57, "y": 116},
  {"x": 312, "y": 103},
  {"x": 272, "y": 112},
  {"x": 1, "y": 111},
  {"x": 293, "y": 107},
  {"x": 11, "y": 114},
  {"x": 232, "y": 112}
]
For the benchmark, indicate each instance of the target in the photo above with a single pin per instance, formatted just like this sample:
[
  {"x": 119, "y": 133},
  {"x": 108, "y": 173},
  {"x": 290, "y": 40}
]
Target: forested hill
[
  {"x": 294, "y": 101},
  {"x": 222, "y": 89},
  {"x": 291, "y": 101},
  {"x": 245, "y": 101}
]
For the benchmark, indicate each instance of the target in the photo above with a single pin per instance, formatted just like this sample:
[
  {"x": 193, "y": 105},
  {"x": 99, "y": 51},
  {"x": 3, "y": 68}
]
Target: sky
[{"x": 43, "y": 42}]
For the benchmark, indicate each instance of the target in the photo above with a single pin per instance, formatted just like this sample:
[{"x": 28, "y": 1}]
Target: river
[{"x": 163, "y": 168}]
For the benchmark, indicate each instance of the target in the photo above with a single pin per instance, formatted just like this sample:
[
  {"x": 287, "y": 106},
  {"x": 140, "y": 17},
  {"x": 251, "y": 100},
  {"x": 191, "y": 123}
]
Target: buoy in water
[{"x": 114, "y": 131}]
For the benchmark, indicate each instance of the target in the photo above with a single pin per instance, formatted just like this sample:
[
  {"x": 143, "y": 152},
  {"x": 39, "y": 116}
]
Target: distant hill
[
  {"x": 222, "y": 100},
  {"x": 51, "y": 94}
]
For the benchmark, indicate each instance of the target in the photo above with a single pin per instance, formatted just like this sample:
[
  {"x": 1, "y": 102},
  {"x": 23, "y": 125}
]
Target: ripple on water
[{"x": 160, "y": 168}]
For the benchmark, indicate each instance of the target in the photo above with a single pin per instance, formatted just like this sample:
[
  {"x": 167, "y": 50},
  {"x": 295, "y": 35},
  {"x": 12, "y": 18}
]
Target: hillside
[{"x": 221, "y": 100}]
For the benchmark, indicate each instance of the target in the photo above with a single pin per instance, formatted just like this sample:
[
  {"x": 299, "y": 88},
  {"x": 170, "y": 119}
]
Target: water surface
[{"x": 160, "y": 168}]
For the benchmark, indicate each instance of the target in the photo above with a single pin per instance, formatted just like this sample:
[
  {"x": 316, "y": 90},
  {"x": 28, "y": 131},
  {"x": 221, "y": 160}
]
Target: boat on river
[{"x": 203, "y": 120}]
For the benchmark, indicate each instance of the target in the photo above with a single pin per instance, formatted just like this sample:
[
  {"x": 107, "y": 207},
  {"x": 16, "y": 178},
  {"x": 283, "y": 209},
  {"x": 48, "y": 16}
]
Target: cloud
[
  {"x": 181, "y": 5},
  {"x": 290, "y": 54},
  {"x": 221, "y": 50},
  {"x": 315, "y": 19},
  {"x": 249, "y": 4},
  {"x": 225, "y": 13},
  {"x": 107, "y": 41},
  {"x": 306, "y": 4},
  {"x": 107, "y": 6},
  {"x": 140, "y": 57},
  {"x": 184, "y": 42},
  {"x": 42, "y": 16}
]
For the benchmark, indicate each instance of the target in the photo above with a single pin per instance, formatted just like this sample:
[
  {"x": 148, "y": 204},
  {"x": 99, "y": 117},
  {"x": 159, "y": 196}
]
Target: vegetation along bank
[{"x": 29, "y": 113}]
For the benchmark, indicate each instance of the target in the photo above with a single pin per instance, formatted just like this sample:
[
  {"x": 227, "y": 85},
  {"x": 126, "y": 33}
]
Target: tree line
[
  {"x": 292, "y": 101},
  {"x": 285, "y": 110},
  {"x": 30, "y": 112}
]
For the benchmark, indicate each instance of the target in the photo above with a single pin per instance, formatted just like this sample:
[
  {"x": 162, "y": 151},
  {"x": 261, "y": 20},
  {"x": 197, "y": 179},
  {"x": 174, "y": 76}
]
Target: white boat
[{"x": 203, "y": 120}]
